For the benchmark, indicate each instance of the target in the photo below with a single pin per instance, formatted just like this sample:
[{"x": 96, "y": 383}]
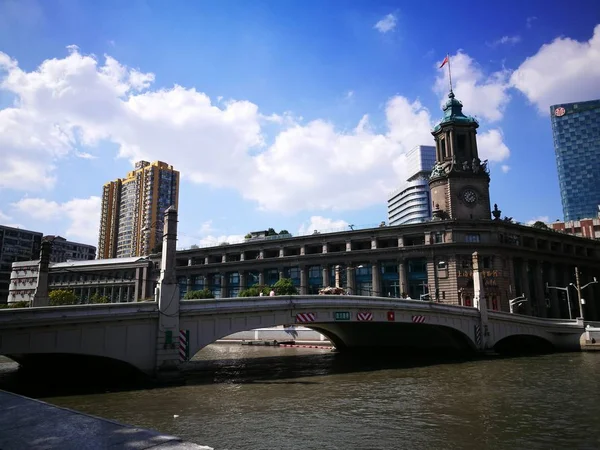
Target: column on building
[
  {"x": 375, "y": 279},
  {"x": 525, "y": 285},
  {"x": 281, "y": 273},
  {"x": 128, "y": 293},
  {"x": 553, "y": 293},
  {"x": 120, "y": 299},
  {"x": 243, "y": 280},
  {"x": 224, "y": 285},
  {"x": 326, "y": 269},
  {"x": 402, "y": 278},
  {"x": 350, "y": 280},
  {"x": 261, "y": 277},
  {"x": 303, "y": 281},
  {"x": 542, "y": 309},
  {"x": 190, "y": 284}
]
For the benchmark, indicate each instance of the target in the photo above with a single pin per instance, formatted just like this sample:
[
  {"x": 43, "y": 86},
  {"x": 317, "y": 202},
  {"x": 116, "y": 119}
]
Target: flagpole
[{"x": 449, "y": 71}]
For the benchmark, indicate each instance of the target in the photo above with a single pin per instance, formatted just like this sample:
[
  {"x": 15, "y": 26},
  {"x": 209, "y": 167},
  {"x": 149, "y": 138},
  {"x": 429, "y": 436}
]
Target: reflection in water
[{"x": 243, "y": 397}]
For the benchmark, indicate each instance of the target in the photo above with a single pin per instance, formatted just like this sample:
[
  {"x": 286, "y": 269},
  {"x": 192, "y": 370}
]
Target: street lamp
[
  {"x": 579, "y": 289},
  {"x": 566, "y": 290},
  {"x": 516, "y": 301}
]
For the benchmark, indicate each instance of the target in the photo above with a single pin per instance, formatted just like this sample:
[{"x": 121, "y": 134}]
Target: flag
[{"x": 446, "y": 59}]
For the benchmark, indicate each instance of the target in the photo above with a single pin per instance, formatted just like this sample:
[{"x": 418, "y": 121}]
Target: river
[{"x": 244, "y": 397}]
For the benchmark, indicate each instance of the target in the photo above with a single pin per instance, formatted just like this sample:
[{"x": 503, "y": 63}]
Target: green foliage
[
  {"x": 284, "y": 232},
  {"x": 254, "y": 291},
  {"x": 285, "y": 286},
  {"x": 63, "y": 297},
  {"x": 541, "y": 225},
  {"x": 97, "y": 298},
  {"x": 204, "y": 293},
  {"x": 248, "y": 236},
  {"x": 271, "y": 232},
  {"x": 21, "y": 304}
]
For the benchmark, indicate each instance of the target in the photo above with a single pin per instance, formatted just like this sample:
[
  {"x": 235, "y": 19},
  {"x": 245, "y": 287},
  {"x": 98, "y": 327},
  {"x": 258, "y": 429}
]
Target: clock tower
[{"x": 459, "y": 181}]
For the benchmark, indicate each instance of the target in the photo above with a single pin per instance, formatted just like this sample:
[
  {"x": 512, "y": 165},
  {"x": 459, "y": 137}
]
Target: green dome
[{"x": 453, "y": 113}]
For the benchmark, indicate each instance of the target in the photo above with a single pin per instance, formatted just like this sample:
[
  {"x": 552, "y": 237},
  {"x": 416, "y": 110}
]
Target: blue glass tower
[{"x": 576, "y": 134}]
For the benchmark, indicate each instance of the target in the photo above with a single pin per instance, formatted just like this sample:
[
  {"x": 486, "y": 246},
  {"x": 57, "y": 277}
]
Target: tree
[
  {"x": 97, "y": 298},
  {"x": 204, "y": 293},
  {"x": 285, "y": 232},
  {"x": 63, "y": 297},
  {"x": 271, "y": 232},
  {"x": 248, "y": 236},
  {"x": 254, "y": 291},
  {"x": 539, "y": 224},
  {"x": 285, "y": 286}
]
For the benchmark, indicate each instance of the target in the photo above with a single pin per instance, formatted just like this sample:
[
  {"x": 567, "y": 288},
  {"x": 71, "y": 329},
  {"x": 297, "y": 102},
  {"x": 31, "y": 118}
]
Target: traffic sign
[
  {"x": 391, "y": 316},
  {"x": 341, "y": 315}
]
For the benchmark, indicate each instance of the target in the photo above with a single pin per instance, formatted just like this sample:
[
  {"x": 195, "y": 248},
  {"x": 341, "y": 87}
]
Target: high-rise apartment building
[
  {"x": 131, "y": 222},
  {"x": 411, "y": 203},
  {"x": 15, "y": 245},
  {"x": 576, "y": 134}
]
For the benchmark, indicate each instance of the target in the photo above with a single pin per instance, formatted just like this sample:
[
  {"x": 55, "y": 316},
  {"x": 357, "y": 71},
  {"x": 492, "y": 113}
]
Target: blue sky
[{"x": 282, "y": 114}]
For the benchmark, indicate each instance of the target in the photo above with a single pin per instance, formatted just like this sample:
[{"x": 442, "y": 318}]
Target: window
[
  {"x": 461, "y": 141},
  {"x": 488, "y": 262},
  {"x": 472, "y": 237},
  {"x": 438, "y": 237}
]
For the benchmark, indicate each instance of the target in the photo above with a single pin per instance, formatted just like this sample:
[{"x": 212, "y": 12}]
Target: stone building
[{"x": 429, "y": 261}]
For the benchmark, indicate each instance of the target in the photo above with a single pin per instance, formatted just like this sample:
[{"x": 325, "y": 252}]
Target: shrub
[
  {"x": 285, "y": 286},
  {"x": 21, "y": 304},
  {"x": 63, "y": 297},
  {"x": 204, "y": 293},
  {"x": 254, "y": 291},
  {"x": 97, "y": 298}
]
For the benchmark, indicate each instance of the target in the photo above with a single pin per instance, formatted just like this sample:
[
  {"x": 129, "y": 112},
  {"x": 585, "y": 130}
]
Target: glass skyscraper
[
  {"x": 576, "y": 134},
  {"x": 411, "y": 203}
]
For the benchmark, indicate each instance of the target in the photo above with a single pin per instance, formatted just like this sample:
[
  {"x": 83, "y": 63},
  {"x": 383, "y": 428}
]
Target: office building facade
[
  {"x": 15, "y": 245},
  {"x": 576, "y": 135},
  {"x": 63, "y": 250},
  {"x": 411, "y": 203},
  {"x": 132, "y": 210}
]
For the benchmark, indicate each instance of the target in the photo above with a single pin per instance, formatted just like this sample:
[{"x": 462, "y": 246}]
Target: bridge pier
[{"x": 167, "y": 298}]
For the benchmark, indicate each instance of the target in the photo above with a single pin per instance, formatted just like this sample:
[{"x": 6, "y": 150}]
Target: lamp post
[
  {"x": 579, "y": 289},
  {"x": 565, "y": 289},
  {"x": 516, "y": 301}
]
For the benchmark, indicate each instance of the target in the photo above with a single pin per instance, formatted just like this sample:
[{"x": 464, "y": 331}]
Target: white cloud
[
  {"x": 210, "y": 241},
  {"x": 530, "y": 20},
  {"x": 483, "y": 95},
  {"x": 70, "y": 104},
  {"x": 83, "y": 215},
  {"x": 563, "y": 71},
  {"x": 544, "y": 219},
  {"x": 505, "y": 168},
  {"x": 388, "y": 23},
  {"x": 85, "y": 155},
  {"x": 349, "y": 94},
  {"x": 504, "y": 40},
  {"x": 322, "y": 225},
  {"x": 492, "y": 147}
]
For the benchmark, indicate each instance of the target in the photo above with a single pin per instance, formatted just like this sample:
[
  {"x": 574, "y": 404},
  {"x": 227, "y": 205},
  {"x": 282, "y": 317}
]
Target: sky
[{"x": 287, "y": 114}]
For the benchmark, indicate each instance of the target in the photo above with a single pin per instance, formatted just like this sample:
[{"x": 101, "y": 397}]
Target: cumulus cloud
[
  {"x": 483, "y": 95},
  {"x": 505, "y": 168},
  {"x": 562, "y": 71},
  {"x": 492, "y": 147},
  {"x": 387, "y": 24},
  {"x": 322, "y": 225},
  {"x": 71, "y": 104},
  {"x": 83, "y": 215},
  {"x": 544, "y": 219}
]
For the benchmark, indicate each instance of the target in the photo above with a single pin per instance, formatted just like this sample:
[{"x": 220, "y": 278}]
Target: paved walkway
[{"x": 31, "y": 424}]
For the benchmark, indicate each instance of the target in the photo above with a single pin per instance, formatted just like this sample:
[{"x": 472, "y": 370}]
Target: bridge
[
  {"x": 131, "y": 333},
  {"x": 158, "y": 337}
]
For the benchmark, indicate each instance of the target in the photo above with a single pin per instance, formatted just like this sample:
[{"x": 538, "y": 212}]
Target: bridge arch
[{"x": 517, "y": 344}]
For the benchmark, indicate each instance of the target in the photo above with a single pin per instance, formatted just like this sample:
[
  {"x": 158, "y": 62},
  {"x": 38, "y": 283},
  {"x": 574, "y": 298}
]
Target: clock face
[
  {"x": 469, "y": 196},
  {"x": 559, "y": 112}
]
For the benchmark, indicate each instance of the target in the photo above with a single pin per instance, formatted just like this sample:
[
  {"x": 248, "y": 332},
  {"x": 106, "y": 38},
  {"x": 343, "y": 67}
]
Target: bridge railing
[
  {"x": 319, "y": 301},
  {"x": 81, "y": 312},
  {"x": 501, "y": 315}
]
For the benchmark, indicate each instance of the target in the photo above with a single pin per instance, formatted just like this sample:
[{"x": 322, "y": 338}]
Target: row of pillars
[{"x": 326, "y": 277}]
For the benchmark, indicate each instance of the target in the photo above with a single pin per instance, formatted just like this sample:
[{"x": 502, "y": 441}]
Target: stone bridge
[{"x": 135, "y": 334}]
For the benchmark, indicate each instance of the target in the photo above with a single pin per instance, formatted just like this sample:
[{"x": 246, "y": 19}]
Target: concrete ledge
[{"x": 33, "y": 424}]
